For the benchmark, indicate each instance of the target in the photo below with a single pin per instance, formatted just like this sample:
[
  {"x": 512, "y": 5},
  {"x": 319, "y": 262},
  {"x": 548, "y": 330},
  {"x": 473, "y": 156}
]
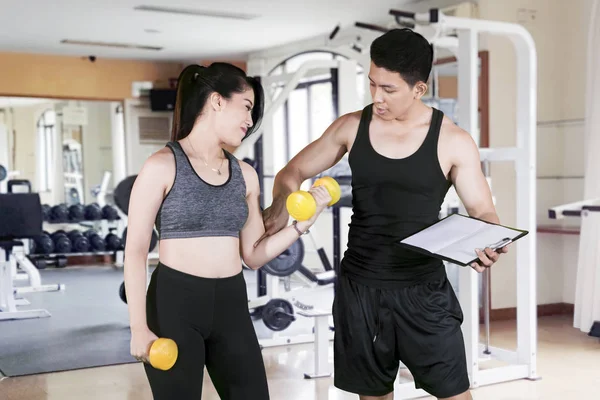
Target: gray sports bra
[{"x": 195, "y": 208}]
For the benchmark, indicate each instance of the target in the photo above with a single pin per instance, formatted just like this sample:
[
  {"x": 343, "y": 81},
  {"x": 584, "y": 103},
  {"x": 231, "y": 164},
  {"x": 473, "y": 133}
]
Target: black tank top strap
[
  {"x": 365, "y": 117},
  {"x": 363, "y": 127},
  {"x": 431, "y": 141},
  {"x": 365, "y": 120}
]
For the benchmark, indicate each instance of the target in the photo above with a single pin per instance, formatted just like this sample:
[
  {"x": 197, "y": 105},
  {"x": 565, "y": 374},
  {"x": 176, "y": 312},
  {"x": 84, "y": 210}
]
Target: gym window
[
  {"x": 309, "y": 109},
  {"x": 46, "y": 134}
]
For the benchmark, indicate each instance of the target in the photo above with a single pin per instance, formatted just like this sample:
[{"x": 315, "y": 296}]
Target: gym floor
[
  {"x": 567, "y": 359},
  {"x": 563, "y": 351}
]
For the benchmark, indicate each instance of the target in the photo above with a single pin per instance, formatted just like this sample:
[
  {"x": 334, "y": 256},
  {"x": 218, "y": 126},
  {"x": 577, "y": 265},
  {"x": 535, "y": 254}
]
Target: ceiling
[{"x": 38, "y": 26}]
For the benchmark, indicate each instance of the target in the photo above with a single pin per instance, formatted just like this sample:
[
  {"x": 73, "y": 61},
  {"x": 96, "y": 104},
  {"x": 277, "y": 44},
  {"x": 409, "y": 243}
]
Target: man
[{"x": 391, "y": 303}]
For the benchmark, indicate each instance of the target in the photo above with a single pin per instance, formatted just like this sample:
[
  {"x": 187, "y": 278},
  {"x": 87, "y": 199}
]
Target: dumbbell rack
[{"x": 60, "y": 259}]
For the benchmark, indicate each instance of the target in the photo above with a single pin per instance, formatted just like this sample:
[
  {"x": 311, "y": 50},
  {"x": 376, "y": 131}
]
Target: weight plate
[
  {"x": 287, "y": 262},
  {"x": 278, "y": 314},
  {"x": 3, "y": 173}
]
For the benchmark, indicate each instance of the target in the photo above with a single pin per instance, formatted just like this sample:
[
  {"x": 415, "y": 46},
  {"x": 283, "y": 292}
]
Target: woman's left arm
[{"x": 272, "y": 246}]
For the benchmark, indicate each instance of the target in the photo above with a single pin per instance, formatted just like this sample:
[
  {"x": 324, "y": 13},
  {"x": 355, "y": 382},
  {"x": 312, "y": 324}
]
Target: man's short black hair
[{"x": 404, "y": 51}]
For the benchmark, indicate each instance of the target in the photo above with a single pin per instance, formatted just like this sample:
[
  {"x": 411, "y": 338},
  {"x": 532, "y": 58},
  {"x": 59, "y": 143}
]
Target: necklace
[{"x": 217, "y": 170}]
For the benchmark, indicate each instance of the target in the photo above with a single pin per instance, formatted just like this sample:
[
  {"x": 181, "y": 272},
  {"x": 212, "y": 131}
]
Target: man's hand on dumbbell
[{"x": 275, "y": 218}]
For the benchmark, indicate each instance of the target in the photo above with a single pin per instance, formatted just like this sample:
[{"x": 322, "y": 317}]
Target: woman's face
[{"x": 235, "y": 118}]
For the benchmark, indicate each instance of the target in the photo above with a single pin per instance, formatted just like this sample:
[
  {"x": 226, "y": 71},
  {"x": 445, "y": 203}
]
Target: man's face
[{"x": 392, "y": 96}]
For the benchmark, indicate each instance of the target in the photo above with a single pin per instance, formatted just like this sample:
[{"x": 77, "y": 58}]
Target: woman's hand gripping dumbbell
[{"x": 161, "y": 353}]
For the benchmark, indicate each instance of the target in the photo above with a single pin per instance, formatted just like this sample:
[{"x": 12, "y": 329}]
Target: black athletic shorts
[{"x": 419, "y": 325}]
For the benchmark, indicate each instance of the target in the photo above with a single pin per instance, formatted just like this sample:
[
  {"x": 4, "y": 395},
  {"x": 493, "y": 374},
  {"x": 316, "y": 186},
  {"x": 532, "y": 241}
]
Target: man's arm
[
  {"x": 315, "y": 158},
  {"x": 468, "y": 179},
  {"x": 472, "y": 187}
]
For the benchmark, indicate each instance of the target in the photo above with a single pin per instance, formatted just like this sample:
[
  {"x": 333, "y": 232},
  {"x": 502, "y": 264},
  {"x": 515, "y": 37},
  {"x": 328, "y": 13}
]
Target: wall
[
  {"x": 559, "y": 30},
  {"x": 68, "y": 77},
  {"x": 136, "y": 150},
  {"x": 76, "y": 77}
]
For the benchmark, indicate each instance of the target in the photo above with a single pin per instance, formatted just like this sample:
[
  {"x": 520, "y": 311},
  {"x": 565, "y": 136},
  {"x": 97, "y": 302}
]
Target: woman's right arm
[{"x": 147, "y": 195}]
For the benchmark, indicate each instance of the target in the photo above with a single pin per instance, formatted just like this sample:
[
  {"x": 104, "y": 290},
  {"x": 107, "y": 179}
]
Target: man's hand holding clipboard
[{"x": 490, "y": 255}]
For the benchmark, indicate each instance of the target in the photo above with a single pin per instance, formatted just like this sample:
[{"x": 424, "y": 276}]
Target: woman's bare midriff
[{"x": 209, "y": 257}]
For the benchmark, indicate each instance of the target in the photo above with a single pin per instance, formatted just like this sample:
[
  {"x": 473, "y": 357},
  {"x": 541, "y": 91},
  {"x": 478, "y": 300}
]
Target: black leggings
[{"x": 209, "y": 320}]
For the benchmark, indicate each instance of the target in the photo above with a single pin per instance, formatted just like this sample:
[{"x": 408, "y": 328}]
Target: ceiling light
[
  {"x": 197, "y": 12},
  {"x": 109, "y": 44}
]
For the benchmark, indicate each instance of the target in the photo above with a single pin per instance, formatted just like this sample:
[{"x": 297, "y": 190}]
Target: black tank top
[{"x": 392, "y": 199}]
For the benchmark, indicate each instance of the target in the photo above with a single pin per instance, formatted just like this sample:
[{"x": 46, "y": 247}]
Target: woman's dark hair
[
  {"x": 196, "y": 83},
  {"x": 405, "y": 52}
]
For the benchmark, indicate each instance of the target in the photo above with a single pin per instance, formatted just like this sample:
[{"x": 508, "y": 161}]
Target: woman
[{"x": 205, "y": 204}]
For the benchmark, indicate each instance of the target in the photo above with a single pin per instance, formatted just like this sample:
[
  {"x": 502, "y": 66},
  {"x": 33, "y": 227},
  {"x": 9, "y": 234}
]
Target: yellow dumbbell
[
  {"x": 301, "y": 205},
  {"x": 163, "y": 353}
]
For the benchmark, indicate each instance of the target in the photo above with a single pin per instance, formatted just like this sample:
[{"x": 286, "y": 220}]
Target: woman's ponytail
[{"x": 185, "y": 86}]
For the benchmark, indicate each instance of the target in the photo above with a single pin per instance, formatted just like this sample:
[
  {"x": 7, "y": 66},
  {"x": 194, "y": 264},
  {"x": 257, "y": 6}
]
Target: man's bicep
[
  {"x": 469, "y": 180},
  {"x": 322, "y": 153}
]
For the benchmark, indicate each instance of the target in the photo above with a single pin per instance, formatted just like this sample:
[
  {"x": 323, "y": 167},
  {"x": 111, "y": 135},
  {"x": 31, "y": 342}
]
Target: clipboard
[{"x": 455, "y": 238}]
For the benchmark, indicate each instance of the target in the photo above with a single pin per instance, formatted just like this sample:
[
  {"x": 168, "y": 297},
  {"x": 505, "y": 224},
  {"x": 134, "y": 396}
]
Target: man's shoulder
[
  {"x": 452, "y": 134},
  {"x": 351, "y": 119},
  {"x": 457, "y": 144},
  {"x": 346, "y": 126}
]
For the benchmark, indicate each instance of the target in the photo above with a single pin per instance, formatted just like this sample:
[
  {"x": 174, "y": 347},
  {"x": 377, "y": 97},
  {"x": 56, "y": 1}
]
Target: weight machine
[
  {"x": 20, "y": 219},
  {"x": 278, "y": 310}
]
